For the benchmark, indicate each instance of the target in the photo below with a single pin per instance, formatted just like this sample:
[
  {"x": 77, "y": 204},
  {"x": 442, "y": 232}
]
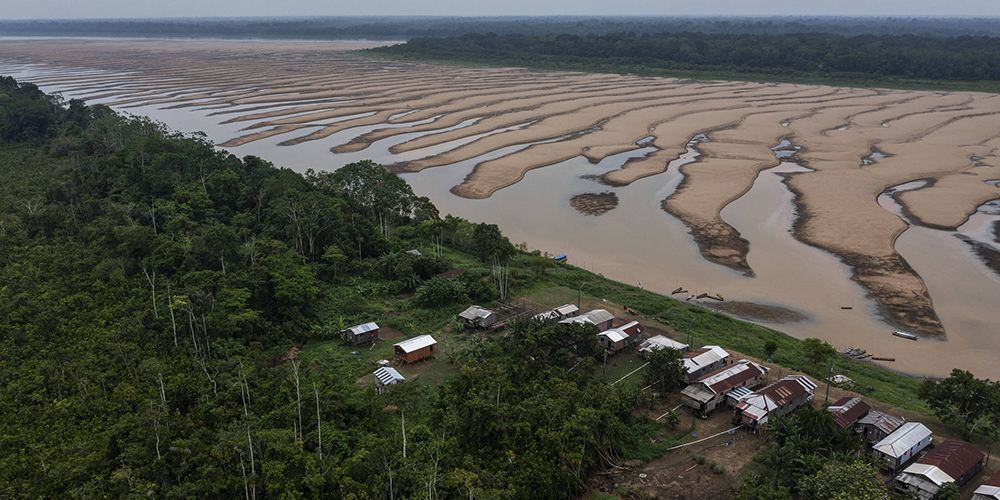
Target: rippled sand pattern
[{"x": 300, "y": 92}]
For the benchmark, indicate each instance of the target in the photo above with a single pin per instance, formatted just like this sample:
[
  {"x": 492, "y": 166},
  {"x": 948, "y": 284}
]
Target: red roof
[
  {"x": 993, "y": 481},
  {"x": 745, "y": 370},
  {"x": 847, "y": 410},
  {"x": 954, "y": 458},
  {"x": 787, "y": 389},
  {"x": 633, "y": 328}
]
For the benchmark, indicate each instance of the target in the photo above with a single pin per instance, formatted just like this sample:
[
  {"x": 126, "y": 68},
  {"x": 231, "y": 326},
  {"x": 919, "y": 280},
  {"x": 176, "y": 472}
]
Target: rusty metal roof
[
  {"x": 954, "y": 458},
  {"x": 724, "y": 379},
  {"x": 887, "y": 423},
  {"x": 848, "y": 410}
]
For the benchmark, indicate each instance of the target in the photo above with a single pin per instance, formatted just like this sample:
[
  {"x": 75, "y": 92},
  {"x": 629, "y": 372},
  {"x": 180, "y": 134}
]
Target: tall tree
[{"x": 963, "y": 400}]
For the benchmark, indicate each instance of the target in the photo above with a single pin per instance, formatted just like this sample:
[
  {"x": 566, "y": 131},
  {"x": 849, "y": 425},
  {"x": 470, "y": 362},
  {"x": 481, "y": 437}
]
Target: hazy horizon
[{"x": 130, "y": 9}]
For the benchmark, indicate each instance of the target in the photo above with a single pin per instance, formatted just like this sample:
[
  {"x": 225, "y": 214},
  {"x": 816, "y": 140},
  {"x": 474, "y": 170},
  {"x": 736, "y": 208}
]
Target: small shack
[
  {"x": 951, "y": 462},
  {"x": 415, "y": 349},
  {"x": 847, "y": 411},
  {"x": 774, "y": 400},
  {"x": 360, "y": 334},
  {"x": 875, "y": 426},
  {"x": 616, "y": 339},
  {"x": 598, "y": 317},
  {"x": 478, "y": 317},
  {"x": 990, "y": 490},
  {"x": 701, "y": 362},
  {"x": 660, "y": 342},
  {"x": 902, "y": 445},
  {"x": 558, "y": 314},
  {"x": 708, "y": 392},
  {"x": 386, "y": 376}
]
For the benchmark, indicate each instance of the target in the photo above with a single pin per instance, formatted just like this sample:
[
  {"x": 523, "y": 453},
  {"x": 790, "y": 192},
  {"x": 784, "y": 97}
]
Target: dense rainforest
[
  {"x": 861, "y": 59},
  {"x": 406, "y": 27},
  {"x": 155, "y": 292},
  {"x": 170, "y": 318}
]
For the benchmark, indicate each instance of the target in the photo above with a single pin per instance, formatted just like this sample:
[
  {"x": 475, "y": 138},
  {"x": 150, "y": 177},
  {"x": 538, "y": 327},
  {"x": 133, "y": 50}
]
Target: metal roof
[
  {"x": 993, "y": 481},
  {"x": 739, "y": 393},
  {"x": 595, "y": 317},
  {"x": 566, "y": 309},
  {"x": 932, "y": 473},
  {"x": 632, "y": 328},
  {"x": 848, "y": 410},
  {"x": 697, "y": 359},
  {"x": 659, "y": 342},
  {"x": 902, "y": 439},
  {"x": 954, "y": 458},
  {"x": 416, "y": 343},
  {"x": 887, "y": 423},
  {"x": 724, "y": 379},
  {"x": 761, "y": 403},
  {"x": 698, "y": 393},
  {"x": 387, "y": 375},
  {"x": 614, "y": 334},
  {"x": 475, "y": 312},
  {"x": 598, "y": 316},
  {"x": 359, "y": 329},
  {"x": 987, "y": 491}
]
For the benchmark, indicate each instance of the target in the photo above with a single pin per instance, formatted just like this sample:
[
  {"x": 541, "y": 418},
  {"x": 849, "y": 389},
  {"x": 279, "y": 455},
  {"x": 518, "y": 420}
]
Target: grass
[
  {"x": 712, "y": 328},
  {"x": 618, "y": 365}
]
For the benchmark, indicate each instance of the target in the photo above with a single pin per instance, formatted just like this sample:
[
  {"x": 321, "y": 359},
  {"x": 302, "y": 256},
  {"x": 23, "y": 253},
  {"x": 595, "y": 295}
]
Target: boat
[
  {"x": 560, "y": 258},
  {"x": 905, "y": 335}
]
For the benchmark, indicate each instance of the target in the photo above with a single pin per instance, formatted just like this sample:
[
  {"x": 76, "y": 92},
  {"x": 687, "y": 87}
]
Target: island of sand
[{"x": 301, "y": 92}]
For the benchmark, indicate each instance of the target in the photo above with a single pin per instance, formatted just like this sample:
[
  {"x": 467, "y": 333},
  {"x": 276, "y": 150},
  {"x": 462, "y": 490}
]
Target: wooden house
[
  {"x": 660, "y": 342},
  {"x": 415, "y": 349},
  {"x": 875, "y": 426},
  {"x": 360, "y": 334},
  {"x": 598, "y": 317},
  {"x": 478, "y": 317},
  {"x": 558, "y": 314},
  {"x": 701, "y": 362},
  {"x": 710, "y": 391},
  {"x": 950, "y": 462},
  {"x": 779, "y": 398},
  {"x": 616, "y": 339},
  {"x": 847, "y": 411},
  {"x": 990, "y": 490},
  {"x": 386, "y": 376},
  {"x": 902, "y": 445}
]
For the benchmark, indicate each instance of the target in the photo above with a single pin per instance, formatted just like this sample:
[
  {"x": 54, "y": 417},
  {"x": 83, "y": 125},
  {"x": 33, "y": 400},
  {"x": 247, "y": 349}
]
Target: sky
[{"x": 89, "y": 9}]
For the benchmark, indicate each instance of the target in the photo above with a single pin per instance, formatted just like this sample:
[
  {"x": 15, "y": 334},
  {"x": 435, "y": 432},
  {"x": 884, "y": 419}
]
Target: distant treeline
[
  {"x": 399, "y": 27},
  {"x": 964, "y": 58}
]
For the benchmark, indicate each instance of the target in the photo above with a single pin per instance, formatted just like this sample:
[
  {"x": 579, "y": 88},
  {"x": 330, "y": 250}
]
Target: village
[{"x": 728, "y": 399}]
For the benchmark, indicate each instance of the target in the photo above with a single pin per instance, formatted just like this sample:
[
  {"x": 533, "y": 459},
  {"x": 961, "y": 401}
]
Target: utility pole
[
  {"x": 579, "y": 295},
  {"x": 828, "y": 382}
]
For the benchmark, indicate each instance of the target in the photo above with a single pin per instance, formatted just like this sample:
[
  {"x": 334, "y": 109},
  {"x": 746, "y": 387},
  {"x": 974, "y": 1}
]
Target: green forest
[
  {"x": 153, "y": 287},
  {"x": 170, "y": 318},
  {"x": 909, "y": 61}
]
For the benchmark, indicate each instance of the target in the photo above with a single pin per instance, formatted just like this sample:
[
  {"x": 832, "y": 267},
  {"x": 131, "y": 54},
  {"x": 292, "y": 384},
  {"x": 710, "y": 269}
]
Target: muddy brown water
[{"x": 637, "y": 241}]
